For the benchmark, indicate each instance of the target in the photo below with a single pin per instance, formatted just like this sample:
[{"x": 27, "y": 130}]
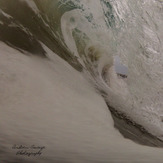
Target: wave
[{"x": 92, "y": 36}]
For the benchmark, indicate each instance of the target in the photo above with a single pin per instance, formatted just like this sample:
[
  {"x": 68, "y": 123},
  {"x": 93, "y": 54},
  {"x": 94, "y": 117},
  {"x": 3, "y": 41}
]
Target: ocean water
[{"x": 71, "y": 70}]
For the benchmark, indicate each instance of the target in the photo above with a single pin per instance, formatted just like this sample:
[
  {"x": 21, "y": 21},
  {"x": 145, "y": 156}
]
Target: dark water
[{"x": 134, "y": 131}]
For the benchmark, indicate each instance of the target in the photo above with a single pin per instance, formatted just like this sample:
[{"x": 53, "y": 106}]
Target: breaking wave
[{"x": 116, "y": 44}]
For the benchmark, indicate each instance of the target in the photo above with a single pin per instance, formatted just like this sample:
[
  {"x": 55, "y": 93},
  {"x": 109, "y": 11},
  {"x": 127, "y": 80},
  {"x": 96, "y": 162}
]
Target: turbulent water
[{"x": 98, "y": 38}]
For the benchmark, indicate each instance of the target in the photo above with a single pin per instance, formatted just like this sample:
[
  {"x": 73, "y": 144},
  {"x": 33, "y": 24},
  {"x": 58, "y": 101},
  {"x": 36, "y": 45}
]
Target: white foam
[{"x": 137, "y": 42}]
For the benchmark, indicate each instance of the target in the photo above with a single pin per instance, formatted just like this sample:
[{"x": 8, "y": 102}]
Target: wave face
[{"x": 90, "y": 36}]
